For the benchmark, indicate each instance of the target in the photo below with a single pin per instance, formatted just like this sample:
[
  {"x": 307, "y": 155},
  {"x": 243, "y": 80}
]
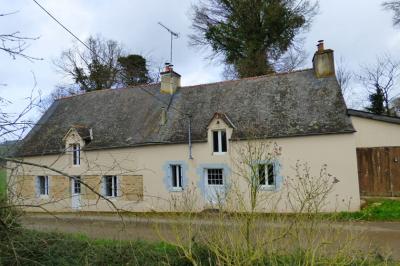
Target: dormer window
[
  {"x": 76, "y": 154},
  {"x": 219, "y": 142}
]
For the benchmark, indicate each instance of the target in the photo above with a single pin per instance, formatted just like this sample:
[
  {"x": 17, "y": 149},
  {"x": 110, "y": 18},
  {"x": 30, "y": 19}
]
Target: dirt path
[{"x": 378, "y": 235}]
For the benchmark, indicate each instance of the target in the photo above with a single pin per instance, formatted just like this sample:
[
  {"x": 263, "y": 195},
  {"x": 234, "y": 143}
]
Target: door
[
  {"x": 76, "y": 193},
  {"x": 214, "y": 186},
  {"x": 379, "y": 171}
]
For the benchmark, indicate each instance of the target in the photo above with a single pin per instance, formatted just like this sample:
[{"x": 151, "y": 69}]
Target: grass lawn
[
  {"x": 376, "y": 210},
  {"x": 3, "y": 183}
]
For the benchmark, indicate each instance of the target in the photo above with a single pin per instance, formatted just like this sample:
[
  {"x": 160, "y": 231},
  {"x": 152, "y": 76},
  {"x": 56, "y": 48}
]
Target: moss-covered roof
[{"x": 279, "y": 105}]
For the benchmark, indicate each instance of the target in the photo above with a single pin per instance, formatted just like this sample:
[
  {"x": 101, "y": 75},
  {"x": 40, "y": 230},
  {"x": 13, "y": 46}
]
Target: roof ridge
[
  {"x": 190, "y": 86},
  {"x": 109, "y": 89},
  {"x": 250, "y": 78}
]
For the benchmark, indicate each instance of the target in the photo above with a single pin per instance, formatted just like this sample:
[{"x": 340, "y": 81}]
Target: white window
[
  {"x": 266, "y": 175},
  {"x": 76, "y": 154},
  {"x": 77, "y": 185},
  {"x": 219, "y": 141},
  {"x": 215, "y": 177},
  {"x": 176, "y": 175},
  {"x": 42, "y": 185},
  {"x": 110, "y": 185}
]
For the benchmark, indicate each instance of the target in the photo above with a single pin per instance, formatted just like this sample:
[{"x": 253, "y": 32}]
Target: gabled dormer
[
  {"x": 219, "y": 130},
  {"x": 75, "y": 139}
]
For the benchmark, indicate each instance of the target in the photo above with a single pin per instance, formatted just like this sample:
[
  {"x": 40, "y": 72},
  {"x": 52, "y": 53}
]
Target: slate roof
[
  {"x": 278, "y": 105},
  {"x": 368, "y": 115}
]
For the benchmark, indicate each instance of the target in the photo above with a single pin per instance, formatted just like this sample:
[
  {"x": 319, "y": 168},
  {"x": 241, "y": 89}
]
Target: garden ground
[{"x": 375, "y": 235}]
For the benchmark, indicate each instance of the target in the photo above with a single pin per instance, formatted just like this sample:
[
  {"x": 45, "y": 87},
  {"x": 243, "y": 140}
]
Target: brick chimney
[
  {"x": 323, "y": 61},
  {"x": 170, "y": 80}
]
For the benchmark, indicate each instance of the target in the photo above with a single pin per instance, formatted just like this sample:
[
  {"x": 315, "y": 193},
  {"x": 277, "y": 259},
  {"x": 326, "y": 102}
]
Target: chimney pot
[{"x": 320, "y": 46}]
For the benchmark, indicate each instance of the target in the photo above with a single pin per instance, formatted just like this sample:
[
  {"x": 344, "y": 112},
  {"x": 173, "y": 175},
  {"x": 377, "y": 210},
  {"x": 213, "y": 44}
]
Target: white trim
[
  {"x": 178, "y": 177},
  {"x": 219, "y": 132}
]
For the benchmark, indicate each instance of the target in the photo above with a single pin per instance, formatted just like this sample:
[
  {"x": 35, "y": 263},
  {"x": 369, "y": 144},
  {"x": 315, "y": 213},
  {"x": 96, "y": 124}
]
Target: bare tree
[
  {"x": 395, "y": 7},
  {"x": 93, "y": 69},
  {"x": 15, "y": 44},
  {"x": 382, "y": 76}
]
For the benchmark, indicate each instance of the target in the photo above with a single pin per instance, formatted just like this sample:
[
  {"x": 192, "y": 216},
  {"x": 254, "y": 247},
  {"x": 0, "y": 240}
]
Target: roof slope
[{"x": 280, "y": 105}]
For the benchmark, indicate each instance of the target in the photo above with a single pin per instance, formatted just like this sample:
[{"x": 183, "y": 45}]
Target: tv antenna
[{"x": 173, "y": 35}]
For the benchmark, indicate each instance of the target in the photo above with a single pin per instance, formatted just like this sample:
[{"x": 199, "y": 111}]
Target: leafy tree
[
  {"x": 377, "y": 102},
  {"x": 133, "y": 70},
  {"x": 250, "y": 34}
]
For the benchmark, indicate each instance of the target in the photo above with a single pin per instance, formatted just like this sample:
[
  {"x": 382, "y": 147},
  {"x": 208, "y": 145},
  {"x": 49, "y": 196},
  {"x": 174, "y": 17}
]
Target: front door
[
  {"x": 214, "y": 186},
  {"x": 76, "y": 193}
]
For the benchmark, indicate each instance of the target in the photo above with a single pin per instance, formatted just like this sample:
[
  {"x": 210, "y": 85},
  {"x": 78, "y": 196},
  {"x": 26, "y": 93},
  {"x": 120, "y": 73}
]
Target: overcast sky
[{"x": 358, "y": 31}]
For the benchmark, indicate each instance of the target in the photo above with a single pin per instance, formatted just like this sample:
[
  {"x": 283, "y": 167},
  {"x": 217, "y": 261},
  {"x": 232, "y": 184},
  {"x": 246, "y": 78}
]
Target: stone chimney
[
  {"x": 323, "y": 61},
  {"x": 170, "y": 80}
]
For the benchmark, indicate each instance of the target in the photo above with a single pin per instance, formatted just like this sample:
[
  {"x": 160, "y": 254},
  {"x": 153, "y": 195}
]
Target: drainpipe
[{"x": 190, "y": 137}]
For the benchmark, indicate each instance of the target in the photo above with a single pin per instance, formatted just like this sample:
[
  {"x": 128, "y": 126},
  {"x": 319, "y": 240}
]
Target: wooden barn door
[{"x": 379, "y": 171}]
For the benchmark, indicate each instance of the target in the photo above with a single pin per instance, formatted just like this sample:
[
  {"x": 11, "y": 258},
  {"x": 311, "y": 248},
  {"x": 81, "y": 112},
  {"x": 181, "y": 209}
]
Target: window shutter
[
  {"x": 117, "y": 179},
  {"x": 103, "y": 186},
  {"x": 37, "y": 186},
  {"x": 278, "y": 177},
  {"x": 48, "y": 185},
  {"x": 169, "y": 177}
]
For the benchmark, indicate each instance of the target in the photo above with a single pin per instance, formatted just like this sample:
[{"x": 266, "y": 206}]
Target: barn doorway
[{"x": 379, "y": 171}]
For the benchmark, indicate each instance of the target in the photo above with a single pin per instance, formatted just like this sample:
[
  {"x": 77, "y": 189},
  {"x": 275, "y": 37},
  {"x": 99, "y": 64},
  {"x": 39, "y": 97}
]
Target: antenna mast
[{"x": 173, "y": 35}]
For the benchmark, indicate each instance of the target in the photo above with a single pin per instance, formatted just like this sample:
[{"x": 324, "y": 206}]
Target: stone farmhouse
[{"x": 157, "y": 147}]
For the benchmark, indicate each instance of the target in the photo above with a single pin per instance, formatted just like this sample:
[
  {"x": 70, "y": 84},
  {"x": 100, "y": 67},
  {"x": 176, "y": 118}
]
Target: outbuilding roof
[
  {"x": 271, "y": 106},
  {"x": 369, "y": 115}
]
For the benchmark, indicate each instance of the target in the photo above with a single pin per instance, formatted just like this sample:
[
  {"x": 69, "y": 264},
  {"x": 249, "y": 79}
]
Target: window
[
  {"x": 76, "y": 154},
  {"x": 43, "y": 185},
  {"x": 215, "y": 177},
  {"x": 110, "y": 186},
  {"x": 219, "y": 141},
  {"x": 77, "y": 185},
  {"x": 176, "y": 174},
  {"x": 266, "y": 175}
]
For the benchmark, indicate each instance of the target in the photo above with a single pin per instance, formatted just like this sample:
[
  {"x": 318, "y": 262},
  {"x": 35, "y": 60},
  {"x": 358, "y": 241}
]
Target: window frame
[
  {"x": 176, "y": 171},
  {"x": 114, "y": 186},
  {"x": 269, "y": 170},
  {"x": 77, "y": 185},
  {"x": 221, "y": 142},
  {"x": 45, "y": 184},
  {"x": 76, "y": 154},
  {"x": 207, "y": 176}
]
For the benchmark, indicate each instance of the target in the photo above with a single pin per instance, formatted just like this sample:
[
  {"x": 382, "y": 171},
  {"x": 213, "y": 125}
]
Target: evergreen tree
[
  {"x": 133, "y": 70},
  {"x": 250, "y": 34},
  {"x": 377, "y": 102}
]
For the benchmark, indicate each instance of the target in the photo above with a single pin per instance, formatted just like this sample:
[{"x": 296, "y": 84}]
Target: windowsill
[
  {"x": 219, "y": 153},
  {"x": 176, "y": 189},
  {"x": 43, "y": 196},
  {"x": 76, "y": 165},
  {"x": 267, "y": 188}
]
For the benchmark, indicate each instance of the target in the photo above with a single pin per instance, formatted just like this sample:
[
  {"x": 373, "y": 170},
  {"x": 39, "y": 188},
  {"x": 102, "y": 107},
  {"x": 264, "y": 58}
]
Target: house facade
[{"x": 164, "y": 147}]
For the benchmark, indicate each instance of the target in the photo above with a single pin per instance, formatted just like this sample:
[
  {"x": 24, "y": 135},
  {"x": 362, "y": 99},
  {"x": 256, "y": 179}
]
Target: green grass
[
  {"x": 376, "y": 210},
  {"x": 3, "y": 183},
  {"x": 38, "y": 248}
]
